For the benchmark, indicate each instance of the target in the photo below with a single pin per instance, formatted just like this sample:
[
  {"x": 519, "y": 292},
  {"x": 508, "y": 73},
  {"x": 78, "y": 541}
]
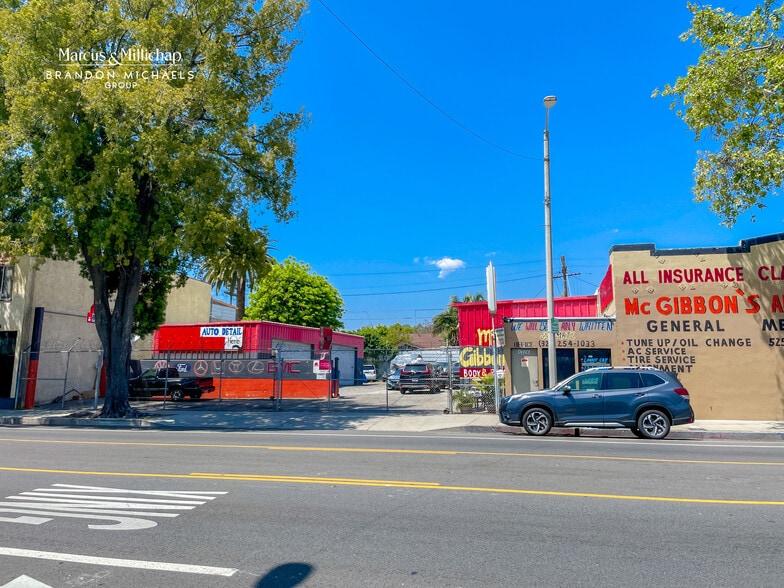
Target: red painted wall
[
  {"x": 257, "y": 335},
  {"x": 473, "y": 317}
]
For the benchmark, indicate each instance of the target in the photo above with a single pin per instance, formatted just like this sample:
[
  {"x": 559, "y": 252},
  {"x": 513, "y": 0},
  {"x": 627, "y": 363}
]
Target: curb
[
  {"x": 687, "y": 435},
  {"x": 166, "y": 422},
  {"x": 72, "y": 422}
]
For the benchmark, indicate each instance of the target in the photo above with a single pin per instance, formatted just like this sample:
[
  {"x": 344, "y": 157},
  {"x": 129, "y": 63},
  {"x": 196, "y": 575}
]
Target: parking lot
[{"x": 372, "y": 396}]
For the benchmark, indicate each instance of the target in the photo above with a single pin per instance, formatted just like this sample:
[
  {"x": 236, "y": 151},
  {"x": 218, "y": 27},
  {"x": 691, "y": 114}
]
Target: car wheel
[
  {"x": 175, "y": 394},
  {"x": 537, "y": 421},
  {"x": 653, "y": 424},
  {"x": 402, "y": 391}
]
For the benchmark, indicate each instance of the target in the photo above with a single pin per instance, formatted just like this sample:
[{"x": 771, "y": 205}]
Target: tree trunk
[
  {"x": 240, "y": 299},
  {"x": 115, "y": 326}
]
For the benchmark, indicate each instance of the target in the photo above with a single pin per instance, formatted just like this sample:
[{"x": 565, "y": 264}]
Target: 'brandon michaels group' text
[{"x": 100, "y": 74}]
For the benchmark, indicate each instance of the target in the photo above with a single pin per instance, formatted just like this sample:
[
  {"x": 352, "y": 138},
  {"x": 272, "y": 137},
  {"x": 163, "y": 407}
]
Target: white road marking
[
  {"x": 180, "y": 494},
  {"x": 128, "y": 512},
  {"x": 120, "y": 523},
  {"x": 58, "y": 494},
  {"x": 158, "y": 566},
  {"x": 37, "y": 500},
  {"x": 25, "y": 582}
]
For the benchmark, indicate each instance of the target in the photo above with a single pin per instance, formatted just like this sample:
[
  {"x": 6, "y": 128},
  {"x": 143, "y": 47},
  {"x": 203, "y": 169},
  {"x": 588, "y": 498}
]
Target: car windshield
[{"x": 417, "y": 368}]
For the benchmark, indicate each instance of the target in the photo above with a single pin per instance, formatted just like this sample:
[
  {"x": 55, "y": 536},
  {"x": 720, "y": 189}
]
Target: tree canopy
[
  {"x": 382, "y": 342},
  {"x": 127, "y": 142},
  {"x": 445, "y": 324},
  {"x": 292, "y": 293},
  {"x": 734, "y": 98},
  {"x": 243, "y": 262}
]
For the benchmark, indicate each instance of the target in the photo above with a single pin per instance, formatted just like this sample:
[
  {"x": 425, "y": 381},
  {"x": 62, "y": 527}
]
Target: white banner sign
[
  {"x": 221, "y": 332},
  {"x": 232, "y": 336}
]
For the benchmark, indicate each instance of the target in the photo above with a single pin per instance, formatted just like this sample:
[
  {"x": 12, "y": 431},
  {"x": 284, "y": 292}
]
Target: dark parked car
[
  {"x": 157, "y": 382},
  {"x": 647, "y": 401},
  {"x": 421, "y": 376}
]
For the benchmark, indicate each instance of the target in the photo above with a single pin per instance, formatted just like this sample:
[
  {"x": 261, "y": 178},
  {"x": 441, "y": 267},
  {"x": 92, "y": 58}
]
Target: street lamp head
[{"x": 549, "y": 101}]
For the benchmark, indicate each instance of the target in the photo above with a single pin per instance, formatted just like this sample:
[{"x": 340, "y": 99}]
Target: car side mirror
[{"x": 566, "y": 390}]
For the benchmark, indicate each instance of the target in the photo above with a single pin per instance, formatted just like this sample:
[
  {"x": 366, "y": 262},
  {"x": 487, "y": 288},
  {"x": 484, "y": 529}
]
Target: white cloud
[{"x": 447, "y": 265}]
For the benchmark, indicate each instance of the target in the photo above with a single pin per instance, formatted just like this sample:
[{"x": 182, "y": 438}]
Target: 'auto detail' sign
[{"x": 232, "y": 336}]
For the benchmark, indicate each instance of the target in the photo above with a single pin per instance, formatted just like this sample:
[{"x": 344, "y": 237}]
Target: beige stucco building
[
  {"x": 69, "y": 361},
  {"x": 714, "y": 316}
]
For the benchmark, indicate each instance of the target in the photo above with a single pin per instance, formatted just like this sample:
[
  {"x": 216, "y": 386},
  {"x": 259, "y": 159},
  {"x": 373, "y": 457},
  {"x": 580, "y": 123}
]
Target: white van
[{"x": 370, "y": 372}]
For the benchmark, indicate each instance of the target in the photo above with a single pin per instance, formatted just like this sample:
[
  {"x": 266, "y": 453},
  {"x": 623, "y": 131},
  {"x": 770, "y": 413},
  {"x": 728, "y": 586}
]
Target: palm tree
[
  {"x": 242, "y": 263},
  {"x": 446, "y": 324}
]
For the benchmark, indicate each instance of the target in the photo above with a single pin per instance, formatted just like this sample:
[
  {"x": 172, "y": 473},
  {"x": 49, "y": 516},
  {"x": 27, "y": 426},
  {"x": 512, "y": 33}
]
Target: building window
[{"x": 6, "y": 282}]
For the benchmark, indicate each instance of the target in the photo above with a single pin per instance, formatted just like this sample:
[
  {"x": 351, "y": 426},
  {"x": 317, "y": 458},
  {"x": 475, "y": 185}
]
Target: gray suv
[{"x": 647, "y": 401}]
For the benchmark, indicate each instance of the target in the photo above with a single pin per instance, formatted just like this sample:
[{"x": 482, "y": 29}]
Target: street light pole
[
  {"x": 549, "y": 101},
  {"x": 492, "y": 307}
]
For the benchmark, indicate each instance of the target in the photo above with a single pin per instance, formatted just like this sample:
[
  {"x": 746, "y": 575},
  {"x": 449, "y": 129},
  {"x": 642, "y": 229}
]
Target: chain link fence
[
  {"x": 285, "y": 378},
  {"x": 467, "y": 380},
  {"x": 60, "y": 375}
]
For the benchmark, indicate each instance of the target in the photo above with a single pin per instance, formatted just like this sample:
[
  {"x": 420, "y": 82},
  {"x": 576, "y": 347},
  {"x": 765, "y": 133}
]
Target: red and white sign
[{"x": 321, "y": 366}]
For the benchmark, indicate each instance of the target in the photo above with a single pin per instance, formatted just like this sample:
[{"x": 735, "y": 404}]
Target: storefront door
[
  {"x": 7, "y": 350},
  {"x": 525, "y": 371}
]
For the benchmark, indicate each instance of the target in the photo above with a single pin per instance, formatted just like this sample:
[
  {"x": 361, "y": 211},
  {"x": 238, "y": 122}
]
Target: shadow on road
[{"x": 285, "y": 576}]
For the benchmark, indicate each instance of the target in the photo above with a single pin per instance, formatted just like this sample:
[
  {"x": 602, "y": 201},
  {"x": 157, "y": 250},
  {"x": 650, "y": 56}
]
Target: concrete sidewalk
[{"x": 357, "y": 412}]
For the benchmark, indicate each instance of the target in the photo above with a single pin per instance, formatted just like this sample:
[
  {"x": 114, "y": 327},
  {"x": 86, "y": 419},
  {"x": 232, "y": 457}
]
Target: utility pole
[
  {"x": 552, "y": 325},
  {"x": 564, "y": 275}
]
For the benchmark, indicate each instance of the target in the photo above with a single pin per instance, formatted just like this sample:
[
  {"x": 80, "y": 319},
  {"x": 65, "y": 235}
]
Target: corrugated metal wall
[{"x": 474, "y": 318}]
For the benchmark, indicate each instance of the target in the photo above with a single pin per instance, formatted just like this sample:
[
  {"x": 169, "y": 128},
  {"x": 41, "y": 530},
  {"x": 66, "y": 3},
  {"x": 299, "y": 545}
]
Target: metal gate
[{"x": 59, "y": 375}]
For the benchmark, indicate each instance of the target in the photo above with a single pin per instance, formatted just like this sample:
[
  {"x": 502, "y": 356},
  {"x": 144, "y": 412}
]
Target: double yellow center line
[
  {"x": 398, "y": 484},
  {"x": 391, "y": 484}
]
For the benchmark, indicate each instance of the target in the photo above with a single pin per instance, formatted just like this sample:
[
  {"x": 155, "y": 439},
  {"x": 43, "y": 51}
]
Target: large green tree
[
  {"x": 382, "y": 342},
  {"x": 734, "y": 98},
  {"x": 127, "y": 143},
  {"x": 446, "y": 325},
  {"x": 241, "y": 264},
  {"x": 292, "y": 293}
]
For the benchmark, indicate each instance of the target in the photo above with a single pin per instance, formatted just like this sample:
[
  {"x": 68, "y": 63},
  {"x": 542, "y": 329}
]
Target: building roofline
[
  {"x": 526, "y": 300},
  {"x": 744, "y": 246}
]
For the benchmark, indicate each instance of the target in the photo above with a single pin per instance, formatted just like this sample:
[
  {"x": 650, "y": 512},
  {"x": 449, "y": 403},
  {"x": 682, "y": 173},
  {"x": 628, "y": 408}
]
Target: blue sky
[{"x": 399, "y": 206}]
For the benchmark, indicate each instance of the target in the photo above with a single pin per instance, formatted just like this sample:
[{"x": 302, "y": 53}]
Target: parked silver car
[{"x": 393, "y": 380}]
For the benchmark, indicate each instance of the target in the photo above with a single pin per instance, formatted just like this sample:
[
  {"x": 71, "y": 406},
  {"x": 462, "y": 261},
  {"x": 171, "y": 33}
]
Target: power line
[
  {"x": 456, "y": 287},
  {"x": 420, "y": 94},
  {"x": 429, "y": 271}
]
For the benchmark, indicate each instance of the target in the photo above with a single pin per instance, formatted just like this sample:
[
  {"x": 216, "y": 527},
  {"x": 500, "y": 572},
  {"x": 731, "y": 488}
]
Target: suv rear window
[
  {"x": 417, "y": 368},
  {"x": 651, "y": 380}
]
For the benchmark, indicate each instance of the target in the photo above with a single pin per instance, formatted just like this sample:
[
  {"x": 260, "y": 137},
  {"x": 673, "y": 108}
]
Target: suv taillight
[{"x": 682, "y": 392}]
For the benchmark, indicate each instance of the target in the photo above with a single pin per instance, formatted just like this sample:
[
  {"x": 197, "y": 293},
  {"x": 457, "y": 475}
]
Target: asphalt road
[{"x": 160, "y": 508}]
